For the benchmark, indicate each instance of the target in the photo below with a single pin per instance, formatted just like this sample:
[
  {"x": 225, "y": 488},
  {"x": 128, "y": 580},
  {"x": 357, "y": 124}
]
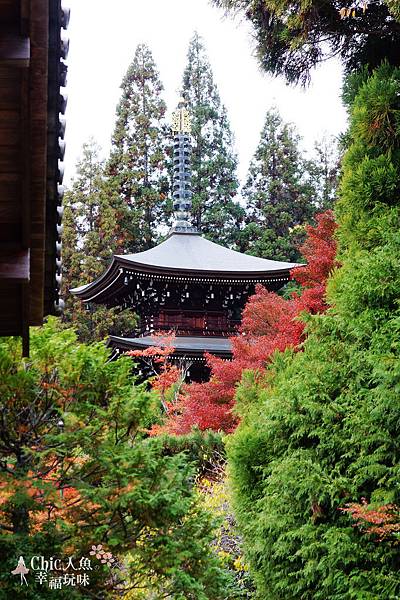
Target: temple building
[{"x": 186, "y": 284}]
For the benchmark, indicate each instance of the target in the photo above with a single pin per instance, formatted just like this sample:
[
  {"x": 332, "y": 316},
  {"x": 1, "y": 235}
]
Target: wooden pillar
[{"x": 25, "y": 319}]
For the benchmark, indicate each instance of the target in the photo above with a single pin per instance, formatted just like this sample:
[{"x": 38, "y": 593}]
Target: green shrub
[
  {"x": 323, "y": 429},
  {"x": 78, "y": 468}
]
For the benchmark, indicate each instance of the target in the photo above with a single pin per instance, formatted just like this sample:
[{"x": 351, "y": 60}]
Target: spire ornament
[
  {"x": 182, "y": 193},
  {"x": 181, "y": 120}
]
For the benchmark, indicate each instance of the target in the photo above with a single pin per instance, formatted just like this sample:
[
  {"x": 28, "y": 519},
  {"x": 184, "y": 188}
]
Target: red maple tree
[
  {"x": 270, "y": 323},
  {"x": 157, "y": 358}
]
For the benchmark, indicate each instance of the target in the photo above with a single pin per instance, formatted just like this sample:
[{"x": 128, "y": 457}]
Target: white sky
[{"x": 103, "y": 37}]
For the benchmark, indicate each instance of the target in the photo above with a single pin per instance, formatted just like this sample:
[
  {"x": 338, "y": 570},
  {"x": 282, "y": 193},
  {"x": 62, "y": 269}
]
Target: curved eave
[
  {"x": 103, "y": 283},
  {"x": 111, "y": 281}
]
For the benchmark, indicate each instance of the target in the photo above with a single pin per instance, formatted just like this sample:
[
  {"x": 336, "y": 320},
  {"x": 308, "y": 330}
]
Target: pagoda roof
[
  {"x": 185, "y": 254},
  {"x": 190, "y": 347},
  {"x": 192, "y": 252}
]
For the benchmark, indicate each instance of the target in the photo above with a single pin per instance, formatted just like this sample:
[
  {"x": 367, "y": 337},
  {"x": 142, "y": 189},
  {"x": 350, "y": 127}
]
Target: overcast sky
[{"x": 103, "y": 37}]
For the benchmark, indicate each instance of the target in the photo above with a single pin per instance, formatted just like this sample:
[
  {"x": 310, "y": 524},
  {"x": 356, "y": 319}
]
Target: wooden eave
[
  {"x": 26, "y": 28},
  {"x": 185, "y": 257},
  {"x": 110, "y": 284}
]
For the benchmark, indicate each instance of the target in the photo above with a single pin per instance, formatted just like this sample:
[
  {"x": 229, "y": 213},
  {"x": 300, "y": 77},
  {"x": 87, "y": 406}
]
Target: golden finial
[{"x": 181, "y": 121}]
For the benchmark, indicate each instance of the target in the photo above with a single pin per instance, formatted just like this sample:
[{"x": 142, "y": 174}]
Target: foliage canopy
[
  {"x": 78, "y": 468},
  {"x": 292, "y": 37}
]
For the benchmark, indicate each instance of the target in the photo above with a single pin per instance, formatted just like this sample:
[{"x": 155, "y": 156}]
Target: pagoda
[{"x": 187, "y": 284}]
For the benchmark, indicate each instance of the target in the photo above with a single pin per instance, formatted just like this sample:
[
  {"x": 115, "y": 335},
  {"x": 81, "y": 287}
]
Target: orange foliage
[
  {"x": 157, "y": 359},
  {"x": 382, "y": 521},
  {"x": 270, "y": 324},
  {"x": 51, "y": 497}
]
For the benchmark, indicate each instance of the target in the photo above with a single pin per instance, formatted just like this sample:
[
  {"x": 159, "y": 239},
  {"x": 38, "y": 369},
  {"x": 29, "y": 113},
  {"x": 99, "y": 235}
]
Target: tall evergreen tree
[
  {"x": 278, "y": 195},
  {"x": 323, "y": 170},
  {"x": 90, "y": 239},
  {"x": 138, "y": 162},
  {"x": 214, "y": 180}
]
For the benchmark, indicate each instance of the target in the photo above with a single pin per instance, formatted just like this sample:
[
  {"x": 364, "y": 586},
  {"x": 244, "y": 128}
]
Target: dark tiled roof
[
  {"x": 192, "y": 252},
  {"x": 182, "y": 345},
  {"x": 186, "y": 255}
]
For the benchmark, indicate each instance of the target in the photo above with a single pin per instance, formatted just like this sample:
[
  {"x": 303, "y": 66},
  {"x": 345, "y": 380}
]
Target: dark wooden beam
[
  {"x": 15, "y": 50},
  {"x": 10, "y": 11},
  {"x": 25, "y": 10},
  {"x": 14, "y": 264},
  {"x": 39, "y": 32},
  {"x": 25, "y": 162}
]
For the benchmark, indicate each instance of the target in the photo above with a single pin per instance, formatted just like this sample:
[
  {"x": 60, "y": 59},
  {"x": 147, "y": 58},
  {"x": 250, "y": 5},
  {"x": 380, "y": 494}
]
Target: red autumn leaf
[{"x": 270, "y": 323}]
